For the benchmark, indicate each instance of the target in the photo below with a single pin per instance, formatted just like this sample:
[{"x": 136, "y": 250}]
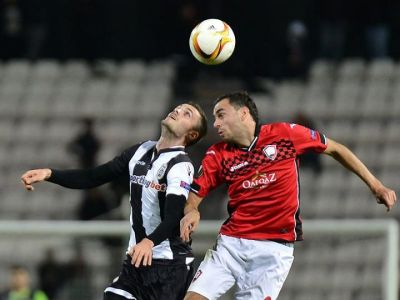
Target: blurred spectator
[
  {"x": 297, "y": 61},
  {"x": 371, "y": 19},
  {"x": 36, "y": 27},
  {"x": 333, "y": 23},
  {"x": 308, "y": 160},
  {"x": 86, "y": 145},
  {"x": 93, "y": 204},
  {"x": 88, "y": 28},
  {"x": 375, "y": 16},
  {"x": 20, "y": 286},
  {"x": 50, "y": 275},
  {"x": 77, "y": 274},
  {"x": 11, "y": 29}
]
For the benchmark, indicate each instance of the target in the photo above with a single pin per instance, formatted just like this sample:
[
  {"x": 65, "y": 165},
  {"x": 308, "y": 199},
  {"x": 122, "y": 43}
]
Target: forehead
[
  {"x": 189, "y": 107},
  {"x": 223, "y": 105}
]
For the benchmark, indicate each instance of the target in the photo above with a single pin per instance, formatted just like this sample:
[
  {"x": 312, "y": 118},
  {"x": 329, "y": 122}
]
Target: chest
[
  {"x": 149, "y": 172},
  {"x": 265, "y": 157}
]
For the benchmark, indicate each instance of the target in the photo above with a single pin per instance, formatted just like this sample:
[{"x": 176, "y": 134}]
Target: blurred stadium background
[{"x": 124, "y": 64}]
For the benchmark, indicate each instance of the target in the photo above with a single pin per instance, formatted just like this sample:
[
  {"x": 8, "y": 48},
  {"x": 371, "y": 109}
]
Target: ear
[
  {"x": 191, "y": 136},
  {"x": 244, "y": 112}
]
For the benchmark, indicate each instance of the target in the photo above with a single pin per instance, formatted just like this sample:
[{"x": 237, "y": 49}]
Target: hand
[
  {"x": 189, "y": 224},
  {"x": 385, "y": 196},
  {"x": 33, "y": 176},
  {"x": 142, "y": 251}
]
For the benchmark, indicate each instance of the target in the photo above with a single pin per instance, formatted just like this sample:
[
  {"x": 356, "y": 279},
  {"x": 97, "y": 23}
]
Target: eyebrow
[
  {"x": 218, "y": 111},
  {"x": 187, "y": 108}
]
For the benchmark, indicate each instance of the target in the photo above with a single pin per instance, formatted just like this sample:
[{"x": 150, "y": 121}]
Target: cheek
[
  {"x": 229, "y": 123},
  {"x": 185, "y": 126}
]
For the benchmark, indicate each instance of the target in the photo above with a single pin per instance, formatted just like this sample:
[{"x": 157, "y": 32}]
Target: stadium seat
[
  {"x": 321, "y": 70},
  {"x": 380, "y": 70},
  {"x": 346, "y": 99},
  {"x": 17, "y": 70},
  {"x": 131, "y": 71},
  {"x": 351, "y": 70},
  {"x": 46, "y": 71}
]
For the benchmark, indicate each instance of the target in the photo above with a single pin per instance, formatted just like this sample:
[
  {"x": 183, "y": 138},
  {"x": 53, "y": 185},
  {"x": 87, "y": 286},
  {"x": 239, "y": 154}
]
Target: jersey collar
[
  {"x": 156, "y": 153},
  {"x": 253, "y": 142}
]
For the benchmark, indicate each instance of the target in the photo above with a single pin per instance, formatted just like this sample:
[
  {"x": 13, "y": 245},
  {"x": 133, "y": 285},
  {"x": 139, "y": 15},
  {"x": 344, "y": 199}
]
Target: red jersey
[{"x": 263, "y": 181}]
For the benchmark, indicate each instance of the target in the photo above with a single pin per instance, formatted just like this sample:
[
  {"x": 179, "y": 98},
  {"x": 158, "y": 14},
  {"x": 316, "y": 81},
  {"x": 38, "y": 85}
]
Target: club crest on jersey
[
  {"x": 161, "y": 171},
  {"x": 270, "y": 151}
]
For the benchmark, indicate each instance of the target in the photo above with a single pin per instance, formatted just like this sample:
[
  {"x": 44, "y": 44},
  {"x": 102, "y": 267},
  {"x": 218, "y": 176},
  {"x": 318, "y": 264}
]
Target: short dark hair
[
  {"x": 201, "y": 127},
  {"x": 241, "y": 99}
]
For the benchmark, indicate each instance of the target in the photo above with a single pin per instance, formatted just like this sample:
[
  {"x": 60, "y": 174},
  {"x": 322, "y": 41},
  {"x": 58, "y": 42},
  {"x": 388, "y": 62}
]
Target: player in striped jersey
[
  {"x": 158, "y": 264},
  {"x": 254, "y": 249}
]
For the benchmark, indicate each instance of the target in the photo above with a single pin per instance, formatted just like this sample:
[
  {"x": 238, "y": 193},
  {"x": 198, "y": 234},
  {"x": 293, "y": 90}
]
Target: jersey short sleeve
[
  {"x": 179, "y": 179},
  {"x": 208, "y": 176},
  {"x": 305, "y": 139}
]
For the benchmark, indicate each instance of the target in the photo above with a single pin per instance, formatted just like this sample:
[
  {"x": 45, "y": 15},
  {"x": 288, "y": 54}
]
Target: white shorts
[{"x": 258, "y": 267}]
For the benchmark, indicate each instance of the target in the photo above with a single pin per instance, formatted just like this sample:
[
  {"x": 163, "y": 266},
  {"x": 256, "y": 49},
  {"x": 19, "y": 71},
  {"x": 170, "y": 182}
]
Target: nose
[{"x": 216, "y": 124}]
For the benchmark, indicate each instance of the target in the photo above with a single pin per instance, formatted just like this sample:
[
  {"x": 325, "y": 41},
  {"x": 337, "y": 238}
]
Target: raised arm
[
  {"x": 348, "y": 159},
  {"x": 81, "y": 178},
  {"x": 73, "y": 179},
  {"x": 191, "y": 219}
]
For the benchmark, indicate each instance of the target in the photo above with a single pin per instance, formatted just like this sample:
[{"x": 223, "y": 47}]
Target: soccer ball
[{"x": 212, "y": 42}]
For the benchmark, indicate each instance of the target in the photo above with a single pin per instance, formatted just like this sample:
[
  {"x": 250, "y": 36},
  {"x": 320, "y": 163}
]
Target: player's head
[
  {"x": 19, "y": 277},
  {"x": 187, "y": 120},
  {"x": 234, "y": 112}
]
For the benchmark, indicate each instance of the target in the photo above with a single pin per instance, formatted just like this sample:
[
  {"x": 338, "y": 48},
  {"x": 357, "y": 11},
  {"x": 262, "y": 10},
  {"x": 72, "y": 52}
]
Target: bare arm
[
  {"x": 349, "y": 160},
  {"x": 191, "y": 219}
]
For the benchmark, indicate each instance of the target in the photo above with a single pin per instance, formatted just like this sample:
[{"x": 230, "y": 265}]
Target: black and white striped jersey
[
  {"x": 152, "y": 177},
  {"x": 155, "y": 177}
]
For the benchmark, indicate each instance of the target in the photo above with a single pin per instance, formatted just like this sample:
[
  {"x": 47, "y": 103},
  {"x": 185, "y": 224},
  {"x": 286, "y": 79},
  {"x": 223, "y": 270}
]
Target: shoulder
[
  {"x": 276, "y": 128},
  {"x": 180, "y": 158},
  {"x": 39, "y": 295},
  {"x": 144, "y": 146},
  {"x": 217, "y": 148}
]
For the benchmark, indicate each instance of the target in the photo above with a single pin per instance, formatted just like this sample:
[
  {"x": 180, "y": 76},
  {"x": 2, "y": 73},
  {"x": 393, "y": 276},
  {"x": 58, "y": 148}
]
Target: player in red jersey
[{"x": 254, "y": 249}]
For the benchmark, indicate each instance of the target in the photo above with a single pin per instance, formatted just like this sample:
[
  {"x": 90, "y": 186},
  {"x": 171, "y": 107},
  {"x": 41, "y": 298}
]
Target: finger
[
  {"x": 183, "y": 233},
  {"x": 194, "y": 226},
  {"x": 146, "y": 260},
  {"x": 139, "y": 260},
  {"x": 184, "y": 227},
  {"x": 134, "y": 255},
  {"x": 28, "y": 186},
  {"x": 25, "y": 175},
  {"x": 187, "y": 234},
  {"x": 29, "y": 180}
]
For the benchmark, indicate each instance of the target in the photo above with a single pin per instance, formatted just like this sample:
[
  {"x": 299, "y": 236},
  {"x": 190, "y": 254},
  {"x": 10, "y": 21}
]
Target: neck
[
  {"x": 168, "y": 140},
  {"x": 247, "y": 135}
]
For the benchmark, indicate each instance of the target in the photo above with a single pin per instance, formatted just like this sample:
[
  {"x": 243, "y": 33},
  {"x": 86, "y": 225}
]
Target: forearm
[
  {"x": 82, "y": 179},
  {"x": 192, "y": 203},
  {"x": 174, "y": 205},
  {"x": 350, "y": 161}
]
